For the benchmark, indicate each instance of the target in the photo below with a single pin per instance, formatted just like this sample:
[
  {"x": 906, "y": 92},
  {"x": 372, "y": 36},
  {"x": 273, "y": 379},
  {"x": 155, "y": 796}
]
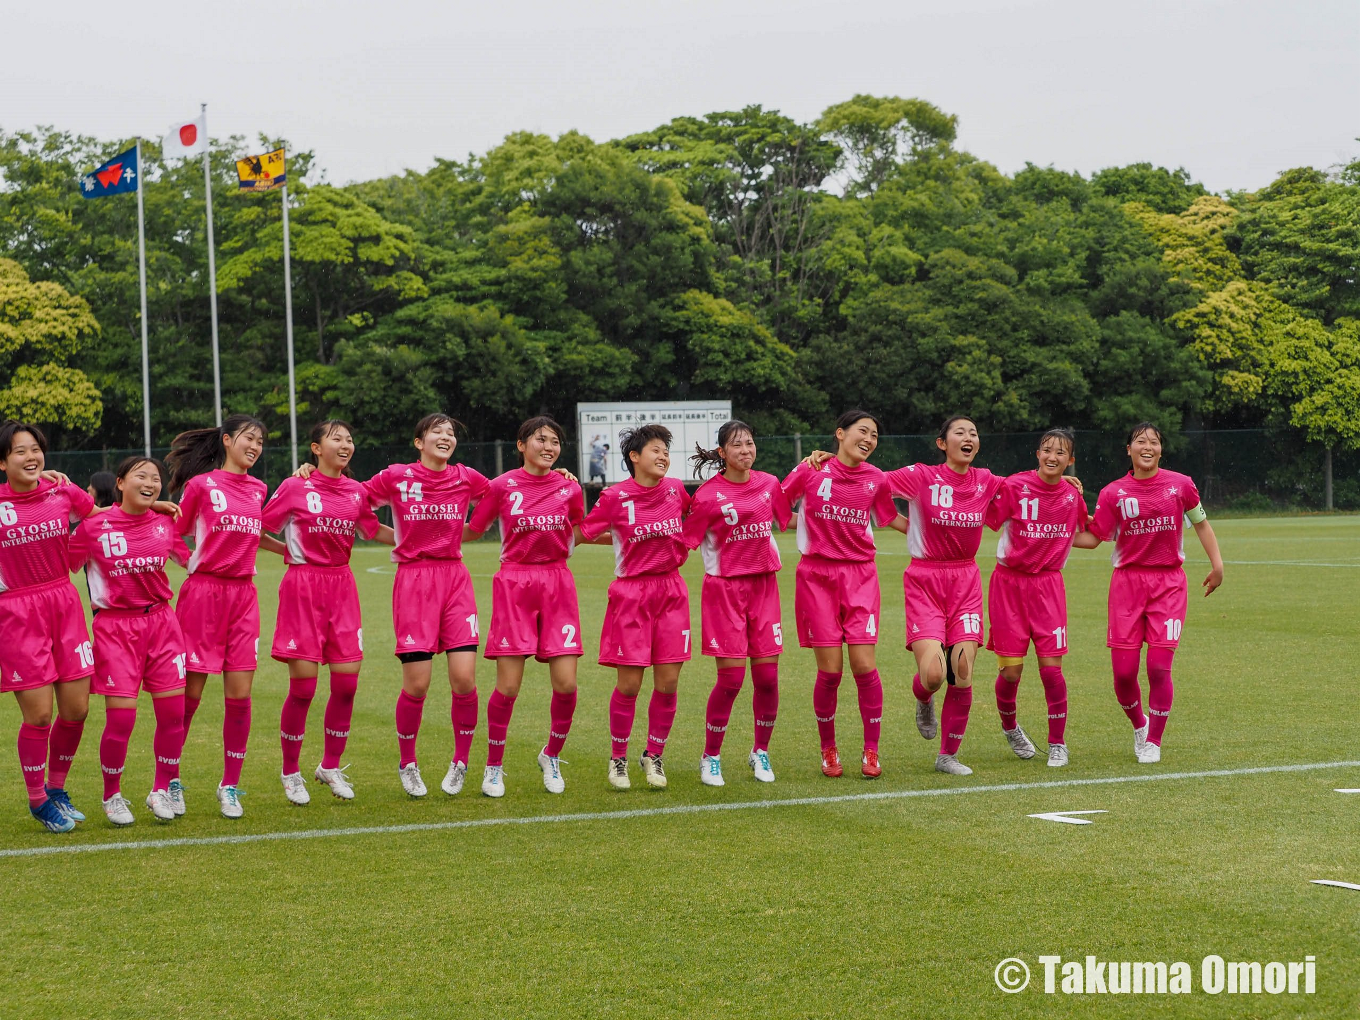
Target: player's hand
[
  {"x": 816, "y": 459},
  {"x": 165, "y": 506},
  {"x": 304, "y": 471},
  {"x": 55, "y": 477},
  {"x": 1075, "y": 482},
  {"x": 1212, "y": 582},
  {"x": 567, "y": 475}
]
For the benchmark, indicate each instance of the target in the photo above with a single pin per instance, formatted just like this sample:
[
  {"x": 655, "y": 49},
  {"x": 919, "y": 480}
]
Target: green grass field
[{"x": 893, "y": 906}]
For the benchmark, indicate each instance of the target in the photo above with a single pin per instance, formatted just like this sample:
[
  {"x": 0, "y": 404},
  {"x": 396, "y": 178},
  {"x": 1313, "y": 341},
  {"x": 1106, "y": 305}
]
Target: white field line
[{"x": 656, "y": 812}]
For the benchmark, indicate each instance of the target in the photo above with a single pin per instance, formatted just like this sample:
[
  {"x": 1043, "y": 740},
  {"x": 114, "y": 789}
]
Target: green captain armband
[{"x": 1196, "y": 514}]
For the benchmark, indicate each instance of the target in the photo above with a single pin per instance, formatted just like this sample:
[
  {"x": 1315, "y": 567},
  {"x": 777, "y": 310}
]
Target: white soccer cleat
[
  {"x": 411, "y": 781},
  {"x": 1140, "y": 741},
  {"x": 653, "y": 771},
  {"x": 337, "y": 781},
  {"x": 1151, "y": 754},
  {"x": 229, "y": 800},
  {"x": 710, "y": 771},
  {"x": 950, "y": 764},
  {"x": 1057, "y": 755},
  {"x": 760, "y": 766},
  {"x": 159, "y": 803},
  {"x": 552, "y": 772},
  {"x": 295, "y": 789},
  {"x": 925, "y": 718},
  {"x": 1020, "y": 743},
  {"x": 493, "y": 781},
  {"x": 618, "y": 774},
  {"x": 119, "y": 810},
  {"x": 454, "y": 779},
  {"x": 176, "y": 797}
]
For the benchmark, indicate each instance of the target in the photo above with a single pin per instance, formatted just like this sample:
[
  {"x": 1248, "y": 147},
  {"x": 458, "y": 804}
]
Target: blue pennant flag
[{"x": 118, "y": 175}]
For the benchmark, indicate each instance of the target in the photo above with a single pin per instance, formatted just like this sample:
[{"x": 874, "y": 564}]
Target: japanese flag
[{"x": 187, "y": 139}]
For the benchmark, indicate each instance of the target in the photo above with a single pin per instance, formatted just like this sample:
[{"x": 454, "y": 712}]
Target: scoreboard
[{"x": 690, "y": 422}]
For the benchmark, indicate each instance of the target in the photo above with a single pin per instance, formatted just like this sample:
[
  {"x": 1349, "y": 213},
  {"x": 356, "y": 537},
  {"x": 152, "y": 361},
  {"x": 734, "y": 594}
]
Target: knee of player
[{"x": 1010, "y": 669}]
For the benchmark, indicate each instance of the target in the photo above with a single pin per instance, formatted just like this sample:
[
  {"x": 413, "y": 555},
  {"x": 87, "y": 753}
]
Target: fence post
[
  {"x": 500, "y": 465},
  {"x": 797, "y": 448},
  {"x": 1327, "y": 474}
]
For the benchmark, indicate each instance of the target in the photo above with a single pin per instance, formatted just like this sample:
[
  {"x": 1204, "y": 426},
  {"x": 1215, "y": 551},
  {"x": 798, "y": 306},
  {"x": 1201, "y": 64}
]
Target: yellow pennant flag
[{"x": 262, "y": 173}]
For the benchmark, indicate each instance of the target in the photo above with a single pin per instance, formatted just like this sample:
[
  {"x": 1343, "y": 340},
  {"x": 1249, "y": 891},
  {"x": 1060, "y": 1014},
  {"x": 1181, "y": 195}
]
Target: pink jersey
[
  {"x": 647, "y": 524},
  {"x": 221, "y": 509},
  {"x": 34, "y": 529},
  {"x": 840, "y": 507},
  {"x": 538, "y": 514},
  {"x": 948, "y": 509},
  {"x": 1037, "y": 522},
  {"x": 429, "y": 508},
  {"x": 733, "y": 524},
  {"x": 318, "y": 518},
  {"x": 124, "y": 557},
  {"x": 1145, "y": 518}
]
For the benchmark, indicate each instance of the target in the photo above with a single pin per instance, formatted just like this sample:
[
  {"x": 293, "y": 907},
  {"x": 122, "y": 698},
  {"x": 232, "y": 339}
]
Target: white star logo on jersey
[
  {"x": 357, "y": 497},
  {"x": 869, "y": 486},
  {"x": 564, "y": 492},
  {"x": 160, "y": 529},
  {"x": 1071, "y": 497},
  {"x": 980, "y": 487},
  {"x": 765, "y": 496},
  {"x": 1172, "y": 491}
]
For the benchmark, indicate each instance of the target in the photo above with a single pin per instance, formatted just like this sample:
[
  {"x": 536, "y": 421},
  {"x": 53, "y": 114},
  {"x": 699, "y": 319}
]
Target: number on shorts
[
  {"x": 411, "y": 492},
  {"x": 627, "y": 504},
  {"x": 972, "y": 623},
  {"x": 824, "y": 490},
  {"x": 568, "y": 636},
  {"x": 729, "y": 513},
  {"x": 472, "y": 624},
  {"x": 86, "y": 654},
  {"x": 778, "y": 629},
  {"x": 1173, "y": 630},
  {"x": 314, "y": 502},
  {"x": 1128, "y": 507},
  {"x": 218, "y": 498},
  {"x": 179, "y": 664},
  {"x": 1029, "y": 509},
  {"x": 516, "y": 501},
  {"x": 686, "y": 633},
  {"x": 1059, "y": 633},
  {"x": 7, "y": 514},
  {"x": 942, "y": 495},
  {"x": 871, "y": 628},
  {"x": 114, "y": 543}
]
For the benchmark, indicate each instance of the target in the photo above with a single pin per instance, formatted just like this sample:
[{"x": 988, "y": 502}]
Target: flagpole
[
  {"x": 141, "y": 272},
  {"x": 288, "y": 326},
  {"x": 212, "y": 267}
]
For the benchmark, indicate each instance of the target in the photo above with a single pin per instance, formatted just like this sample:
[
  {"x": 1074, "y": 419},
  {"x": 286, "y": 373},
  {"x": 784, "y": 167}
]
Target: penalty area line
[{"x": 659, "y": 812}]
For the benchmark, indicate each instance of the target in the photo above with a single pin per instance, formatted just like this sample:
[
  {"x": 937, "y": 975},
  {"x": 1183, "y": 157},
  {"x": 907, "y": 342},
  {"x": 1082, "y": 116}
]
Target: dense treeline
[{"x": 798, "y": 268}]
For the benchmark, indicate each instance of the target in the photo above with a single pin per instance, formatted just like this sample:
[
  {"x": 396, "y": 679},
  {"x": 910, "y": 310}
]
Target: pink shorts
[
  {"x": 220, "y": 617},
  {"x": 943, "y": 601},
  {"x": 136, "y": 648},
  {"x": 836, "y": 602},
  {"x": 1147, "y": 606},
  {"x": 44, "y": 638},
  {"x": 646, "y": 621},
  {"x": 1027, "y": 607},
  {"x": 534, "y": 612},
  {"x": 741, "y": 616},
  {"x": 318, "y": 618},
  {"x": 434, "y": 608}
]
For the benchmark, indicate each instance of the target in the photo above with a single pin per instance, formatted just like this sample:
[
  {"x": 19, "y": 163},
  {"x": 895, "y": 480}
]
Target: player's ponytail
[
  {"x": 199, "y": 451},
  {"x": 703, "y": 459}
]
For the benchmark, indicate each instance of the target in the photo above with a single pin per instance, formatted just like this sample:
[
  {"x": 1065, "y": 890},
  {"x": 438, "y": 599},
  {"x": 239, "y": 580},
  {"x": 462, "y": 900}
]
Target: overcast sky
[{"x": 1233, "y": 91}]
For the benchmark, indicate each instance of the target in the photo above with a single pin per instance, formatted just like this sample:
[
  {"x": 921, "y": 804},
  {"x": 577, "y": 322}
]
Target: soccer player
[
  {"x": 647, "y": 619},
  {"x": 1038, "y": 517},
  {"x": 218, "y": 607},
  {"x": 1144, "y": 514},
  {"x": 836, "y": 598},
  {"x": 319, "y": 620},
  {"x": 533, "y": 595},
  {"x": 103, "y": 488},
  {"x": 45, "y": 653},
  {"x": 732, "y": 520},
  {"x": 137, "y": 638}
]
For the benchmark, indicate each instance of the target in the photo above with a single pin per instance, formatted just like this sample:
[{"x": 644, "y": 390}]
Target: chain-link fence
[{"x": 1248, "y": 470}]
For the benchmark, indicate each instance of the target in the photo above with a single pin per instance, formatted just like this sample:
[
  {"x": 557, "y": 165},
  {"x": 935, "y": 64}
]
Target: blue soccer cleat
[
  {"x": 63, "y": 801},
  {"x": 53, "y": 818}
]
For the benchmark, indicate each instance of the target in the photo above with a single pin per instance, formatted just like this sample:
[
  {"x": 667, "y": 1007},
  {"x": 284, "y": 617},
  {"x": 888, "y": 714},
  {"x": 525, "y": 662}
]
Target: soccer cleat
[
  {"x": 295, "y": 789},
  {"x": 411, "y": 781},
  {"x": 119, "y": 810},
  {"x": 337, "y": 781},
  {"x": 831, "y": 761},
  {"x": 454, "y": 779},
  {"x": 62, "y": 799},
  {"x": 618, "y": 774},
  {"x": 1151, "y": 754},
  {"x": 176, "y": 797},
  {"x": 869, "y": 764},
  {"x": 159, "y": 803},
  {"x": 1140, "y": 741},
  {"x": 53, "y": 818},
  {"x": 229, "y": 800},
  {"x": 1020, "y": 743},
  {"x": 710, "y": 771},
  {"x": 949, "y": 763},
  {"x": 1057, "y": 755},
  {"x": 653, "y": 770},
  {"x": 552, "y": 772},
  {"x": 925, "y": 718},
  {"x": 760, "y": 766},
  {"x": 493, "y": 781}
]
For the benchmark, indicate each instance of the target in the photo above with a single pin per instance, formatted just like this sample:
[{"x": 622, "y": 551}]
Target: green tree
[{"x": 877, "y": 133}]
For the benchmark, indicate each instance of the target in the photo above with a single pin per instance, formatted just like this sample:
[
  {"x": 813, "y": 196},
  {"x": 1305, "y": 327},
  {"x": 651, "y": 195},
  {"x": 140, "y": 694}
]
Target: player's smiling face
[
  {"x": 652, "y": 462},
  {"x": 1055, "y": 456},
  {"x": 25, "y": 462},
  {"x": 740, "y": 451},
  {"x": 1145, "y": 451},
  {"x": 541, "y": 451},
  {"x": 244, "y": 448},
  {"x": 858, "y": 442},
  {"x": 140, "y": 487},
  {"x": 438, "y": 442},
  {"x": 335, "y": 449},
  {"x": 961, "y": 443}
]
